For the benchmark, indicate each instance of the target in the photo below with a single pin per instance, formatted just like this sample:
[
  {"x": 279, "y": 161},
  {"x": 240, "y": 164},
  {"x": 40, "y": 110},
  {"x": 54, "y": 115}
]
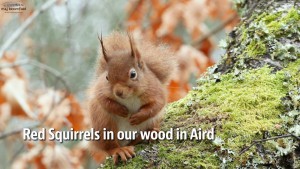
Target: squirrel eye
[
  {"x": 132, "y": 74},
  {"x": 106, "y": 77}
]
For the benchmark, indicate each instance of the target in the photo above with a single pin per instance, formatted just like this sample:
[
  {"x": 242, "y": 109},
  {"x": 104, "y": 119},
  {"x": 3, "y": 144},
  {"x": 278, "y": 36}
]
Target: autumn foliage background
[{"x": 45, "y": 72}]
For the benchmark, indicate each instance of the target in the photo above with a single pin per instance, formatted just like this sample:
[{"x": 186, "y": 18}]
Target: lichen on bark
[{"x": 252, "y": 94}]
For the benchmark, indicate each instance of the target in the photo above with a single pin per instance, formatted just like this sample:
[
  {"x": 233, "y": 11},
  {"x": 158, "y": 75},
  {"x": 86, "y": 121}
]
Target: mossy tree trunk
[{"x": 251, "y": 99}]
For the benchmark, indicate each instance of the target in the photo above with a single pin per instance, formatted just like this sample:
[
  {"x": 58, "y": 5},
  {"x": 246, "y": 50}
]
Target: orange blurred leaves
[
  {"x": 51, "y": 108},
  {"x": 165, "y": 18},
  {"x": 178, "y": 23}
]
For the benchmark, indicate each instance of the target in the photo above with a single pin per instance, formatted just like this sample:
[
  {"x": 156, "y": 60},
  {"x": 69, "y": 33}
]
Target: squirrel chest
[{"x": 133, "y": 103}]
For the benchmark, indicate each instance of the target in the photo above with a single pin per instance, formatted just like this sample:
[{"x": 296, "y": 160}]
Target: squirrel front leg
[
  {"x": 113, "y": 106},
  {"x": 147, "y": 111}
]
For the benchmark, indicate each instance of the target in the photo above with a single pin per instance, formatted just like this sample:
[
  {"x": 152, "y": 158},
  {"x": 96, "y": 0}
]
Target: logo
[{"x": 13, "y": 7}]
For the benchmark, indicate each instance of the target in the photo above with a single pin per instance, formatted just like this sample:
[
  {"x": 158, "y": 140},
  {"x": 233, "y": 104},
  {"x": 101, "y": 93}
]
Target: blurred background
[{"x": 48, "y": 51}]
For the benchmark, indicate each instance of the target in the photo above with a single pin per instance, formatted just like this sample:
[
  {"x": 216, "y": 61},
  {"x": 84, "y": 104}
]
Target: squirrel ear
[
  {"x": 103, "y": 49},
  {"x": 134, "y": 51}
]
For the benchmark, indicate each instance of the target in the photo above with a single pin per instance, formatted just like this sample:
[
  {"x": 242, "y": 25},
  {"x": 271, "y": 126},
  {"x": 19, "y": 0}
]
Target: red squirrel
[{"x": 129, "y": 91}]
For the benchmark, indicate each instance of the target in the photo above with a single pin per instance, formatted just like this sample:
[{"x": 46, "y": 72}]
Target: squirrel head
[{"x": 125, "y": 70}]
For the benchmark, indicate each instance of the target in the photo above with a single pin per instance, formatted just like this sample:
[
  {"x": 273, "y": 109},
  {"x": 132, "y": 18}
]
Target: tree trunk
[{"x": 251, "y": 99}]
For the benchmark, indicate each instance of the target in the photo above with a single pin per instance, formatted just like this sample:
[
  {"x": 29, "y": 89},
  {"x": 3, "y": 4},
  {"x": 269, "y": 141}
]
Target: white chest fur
[{"x": 133, "y": 104}]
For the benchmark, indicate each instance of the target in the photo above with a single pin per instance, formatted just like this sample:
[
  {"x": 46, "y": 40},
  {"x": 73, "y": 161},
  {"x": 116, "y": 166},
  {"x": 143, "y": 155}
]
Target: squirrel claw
[{"x": 123, "y": 152}]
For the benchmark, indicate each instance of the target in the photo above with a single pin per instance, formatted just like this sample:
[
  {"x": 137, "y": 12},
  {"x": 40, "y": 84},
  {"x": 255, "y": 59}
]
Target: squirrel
[{"x": 129, "y": 91}]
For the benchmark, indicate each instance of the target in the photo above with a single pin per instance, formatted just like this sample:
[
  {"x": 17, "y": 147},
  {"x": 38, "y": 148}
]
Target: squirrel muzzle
[{"x": 122, "y": 91}]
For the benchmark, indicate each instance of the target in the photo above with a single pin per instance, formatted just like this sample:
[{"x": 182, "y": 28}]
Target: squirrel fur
[{"x": 129, "y": 91}]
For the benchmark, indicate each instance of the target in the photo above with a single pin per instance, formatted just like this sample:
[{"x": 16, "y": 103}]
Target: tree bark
[{"x": 251, "y": 99}]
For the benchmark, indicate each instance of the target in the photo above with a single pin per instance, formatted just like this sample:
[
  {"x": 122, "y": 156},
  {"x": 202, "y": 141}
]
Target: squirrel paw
[
  {"x": 123, "y": 112},
  {"x": 125, "y": 153},
  {"x": 138, "y": 118}
]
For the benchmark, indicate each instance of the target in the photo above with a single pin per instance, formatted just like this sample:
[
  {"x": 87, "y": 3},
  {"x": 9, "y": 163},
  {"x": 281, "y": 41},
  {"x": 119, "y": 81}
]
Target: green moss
[
  {"x": 253, "y": 105},
  {"x": 268, "y": 18},
  {"x": 256, "y": 49},
  {"x": 242, "y": 105},
  {"x": 241, "y": 108},
  {"x": 292, "y": 16},
  {"x": 250, "y": 105},
  {"x": 281, "y": 21},
  {"x": 267, "y": 35}
]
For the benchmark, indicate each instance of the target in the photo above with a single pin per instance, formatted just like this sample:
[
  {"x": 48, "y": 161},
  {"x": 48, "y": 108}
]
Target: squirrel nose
[{"x": 119, "y": 93}]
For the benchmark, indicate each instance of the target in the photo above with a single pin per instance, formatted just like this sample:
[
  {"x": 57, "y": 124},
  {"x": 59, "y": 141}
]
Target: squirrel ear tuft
[
  {"x": 103, "y": 49},
  {"x": 134, "y": 51}
]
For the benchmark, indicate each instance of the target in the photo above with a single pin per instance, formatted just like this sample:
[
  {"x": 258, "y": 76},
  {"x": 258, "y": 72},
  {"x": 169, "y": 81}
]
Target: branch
[
  {"x": 267, "y": 139},
  {"x": 17, "y": 131},
  {"x": 198, "y": 42},
  {"x": 39, "y": 65},
  {"x": 47, "y": 69},
  {"x": 16, "y": 154},
  {"x": 24, "y": 26},
  {"x": 52, "y": 71}
]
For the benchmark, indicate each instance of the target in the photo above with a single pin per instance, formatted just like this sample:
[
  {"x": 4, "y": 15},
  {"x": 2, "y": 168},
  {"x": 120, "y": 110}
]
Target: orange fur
[{"x": 129, "y": 91}]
